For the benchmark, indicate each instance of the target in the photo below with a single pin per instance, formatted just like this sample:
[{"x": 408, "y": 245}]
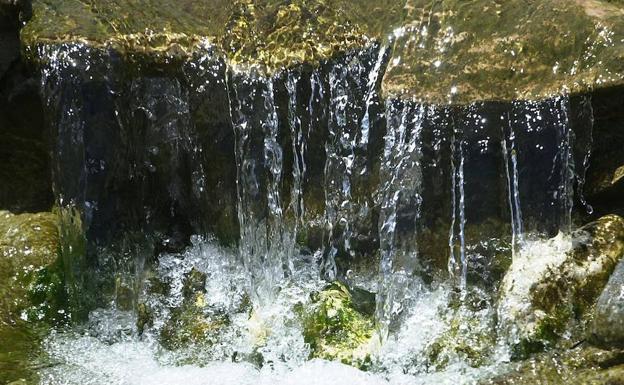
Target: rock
[
  {"x": 554, "y": 284},
  {"x": 469, "y": 334},
  {"x": 31, "y": 275},
  {"x": 194, "y": 284},
  {"x": 608, "y": 324},
  {"x": 335, "y": 330},
  {"x": 32, "y": 291},
  {"x": 451, "y": 52},
  {"x": 583, "y": 365},
  {"x": 480, "y": 51},
  {"x": 192, "y": 324}
]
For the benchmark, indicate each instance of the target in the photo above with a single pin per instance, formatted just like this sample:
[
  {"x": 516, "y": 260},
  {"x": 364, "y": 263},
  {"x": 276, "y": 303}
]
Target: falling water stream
[{"x": 392, "y": 172}]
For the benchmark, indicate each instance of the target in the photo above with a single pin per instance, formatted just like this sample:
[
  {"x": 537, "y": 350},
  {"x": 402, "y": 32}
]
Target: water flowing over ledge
[{"x": 220, "y": 220}]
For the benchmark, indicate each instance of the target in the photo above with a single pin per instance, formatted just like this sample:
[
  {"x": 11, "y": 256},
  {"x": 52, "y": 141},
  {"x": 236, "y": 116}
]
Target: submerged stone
[
  {"x": 335, "y": 330},
  {"x": 547, "y": 291}
]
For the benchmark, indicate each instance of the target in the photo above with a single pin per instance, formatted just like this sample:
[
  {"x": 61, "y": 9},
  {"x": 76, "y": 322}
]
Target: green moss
[
  {"x": 32, "y": 289},
  {"x": 192, "y": 324},
  {"x": 32, "y": 284},
  {"x": 335, "y": 330},
  {"x": 469, "y": 336}
]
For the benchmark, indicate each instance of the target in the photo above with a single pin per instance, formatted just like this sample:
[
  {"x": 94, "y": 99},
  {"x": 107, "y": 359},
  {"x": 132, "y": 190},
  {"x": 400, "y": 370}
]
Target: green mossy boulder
[
  {"x": 31, "y": 273},
  {"x": 194, "y": 322},
  {"x": 548, "y": 295},
  {"x": 32, "y": 291},
  {"x": 335, "y": 330},
  {"x": 470, "y": 334}
]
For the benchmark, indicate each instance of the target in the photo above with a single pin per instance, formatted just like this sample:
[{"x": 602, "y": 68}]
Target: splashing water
[{"x": 425, "y": 175}]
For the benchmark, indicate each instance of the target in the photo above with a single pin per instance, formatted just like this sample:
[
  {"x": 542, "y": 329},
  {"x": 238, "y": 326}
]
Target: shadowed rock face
[
  {"x": 24, "y": 161},
  {"x": 443, "y": 52}
]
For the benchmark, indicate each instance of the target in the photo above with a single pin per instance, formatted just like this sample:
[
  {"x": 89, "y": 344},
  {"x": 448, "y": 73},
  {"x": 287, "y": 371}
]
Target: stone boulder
[
  {"x": 608, "y": 325},
  {"x": 31, "y": 275},
  {"x": 335, "y": 330},
  {"x": 552, "y": 285}
]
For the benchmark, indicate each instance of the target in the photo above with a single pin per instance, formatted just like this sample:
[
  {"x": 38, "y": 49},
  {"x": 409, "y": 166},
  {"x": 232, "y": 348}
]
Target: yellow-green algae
[
  {"x": 31, "y": 289},
  {"x": 335, "y": 330},
  {"x": 448, "y": 51},
  {"x": 460, "y": 51}
]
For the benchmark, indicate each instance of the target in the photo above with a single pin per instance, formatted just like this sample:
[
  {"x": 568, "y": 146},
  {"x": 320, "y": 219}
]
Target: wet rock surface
[
  {"x": 582, "y": 365},
  {"x": 32, "y": 292},
  {"x": 607, "y": 328},
  {"x": 501, "y": 51},
  {"x": 335, "y": 330},
  {"x": 541, "y": 299}
]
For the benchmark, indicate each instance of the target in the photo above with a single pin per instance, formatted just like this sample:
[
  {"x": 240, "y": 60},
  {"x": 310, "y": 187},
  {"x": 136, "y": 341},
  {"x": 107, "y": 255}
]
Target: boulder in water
[
  {"x": 552, "y": 284},
  {"x": 608, "y": 324},
  {"x": 335, "y": 330},
  {"x": 31, "y": 274}
]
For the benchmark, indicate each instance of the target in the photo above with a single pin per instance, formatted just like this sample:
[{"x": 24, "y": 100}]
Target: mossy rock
[
  {"x": 192, "y": 324},
  {"x": 455, "y": 51},
  {"x": 335, "y": 330},
  {"x": 31, "y": 274},
  {"x": 470, "y": 335},
  {"x": 582, "y": 365},
  {"x": 541, "y": 301},
  {"x": 32, "y": 291}
]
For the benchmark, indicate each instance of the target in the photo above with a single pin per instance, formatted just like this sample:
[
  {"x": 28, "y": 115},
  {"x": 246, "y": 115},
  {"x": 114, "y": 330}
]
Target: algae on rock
[
  {"x": 335, "y": 330},
  {"x": 544, "y": 295},
  {"x": 32, "y": 280}
]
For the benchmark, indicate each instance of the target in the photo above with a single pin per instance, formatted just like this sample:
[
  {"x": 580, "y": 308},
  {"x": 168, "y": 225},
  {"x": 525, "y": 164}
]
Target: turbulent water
[{"x": 408, "y": 200}]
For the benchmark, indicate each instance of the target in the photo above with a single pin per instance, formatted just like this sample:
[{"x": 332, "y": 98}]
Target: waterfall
[
  {"x": 511, "y": 173},
  {"x": 458, "y": 262},
  {"x": 263, "y": 237},
  {"x": 401, "y": 180},
  {"x": 298, "y": 141}
]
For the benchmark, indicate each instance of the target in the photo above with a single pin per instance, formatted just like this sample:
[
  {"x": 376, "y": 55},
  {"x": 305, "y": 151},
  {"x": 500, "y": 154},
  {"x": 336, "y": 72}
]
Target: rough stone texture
[
  {"x": 541, "y": 298},
  {"x": 453, "y": 51},
  {"x": 31, "y": 285},
  {"x": 335, "y": 330},
  {"x": 447, "y": 51},
  {"x": 582, "y": 365},
  {"x": 608, "y": 325}
]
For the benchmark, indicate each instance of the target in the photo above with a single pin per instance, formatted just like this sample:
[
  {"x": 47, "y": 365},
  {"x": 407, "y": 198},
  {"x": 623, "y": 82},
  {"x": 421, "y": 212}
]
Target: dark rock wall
[{"x": 24, "y": 149}]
